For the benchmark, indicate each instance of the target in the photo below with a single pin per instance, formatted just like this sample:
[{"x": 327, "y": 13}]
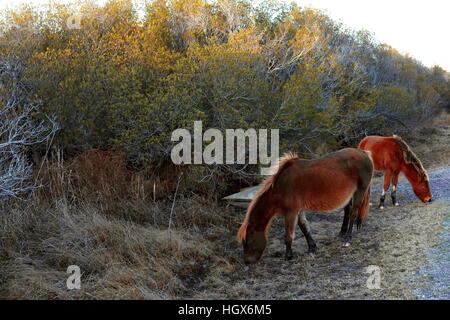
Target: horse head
[
  {"x": 415, "y": 172},
  {"x": 421, "y": 187},
  {"x": 254, "y": 245}
]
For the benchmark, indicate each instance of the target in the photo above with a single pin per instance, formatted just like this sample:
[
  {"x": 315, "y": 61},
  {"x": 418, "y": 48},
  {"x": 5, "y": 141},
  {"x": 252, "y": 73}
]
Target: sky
[{"x": 420, "y": 28}]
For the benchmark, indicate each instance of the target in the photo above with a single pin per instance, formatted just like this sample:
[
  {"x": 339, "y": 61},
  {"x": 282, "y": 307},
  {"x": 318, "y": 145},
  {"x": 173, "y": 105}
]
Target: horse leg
[
  {"x": 387, "y": 182},
  {"x": 394, "y": 188},
  {"x": 290, "y": 222},
  {"x": 304, "y": 226},
  {"x": 357, "y": 199},
  {"x": 344, "y": 227}
]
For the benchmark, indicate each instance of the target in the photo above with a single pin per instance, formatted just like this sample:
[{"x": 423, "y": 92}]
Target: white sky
[{"x": 418, "y": 27}]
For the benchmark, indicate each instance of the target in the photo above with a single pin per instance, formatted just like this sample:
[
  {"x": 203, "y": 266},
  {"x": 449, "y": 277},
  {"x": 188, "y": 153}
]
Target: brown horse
[
  {"x": 336, "y": 180},
  {"x": 392, "y": 155}
]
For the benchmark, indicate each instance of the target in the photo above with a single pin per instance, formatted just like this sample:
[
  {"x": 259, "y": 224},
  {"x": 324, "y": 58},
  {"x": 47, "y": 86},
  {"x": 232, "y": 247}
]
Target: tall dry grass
[{"x": 114, "y": 224}]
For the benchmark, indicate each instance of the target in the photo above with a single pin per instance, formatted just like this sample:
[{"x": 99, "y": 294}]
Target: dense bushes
[{"x": 131, "y": 74}]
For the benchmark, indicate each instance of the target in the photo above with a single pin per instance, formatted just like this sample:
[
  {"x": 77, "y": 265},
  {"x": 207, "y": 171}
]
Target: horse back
[
  {"x": 326, "y": 183},
  {"x": 385, "y": 151}
]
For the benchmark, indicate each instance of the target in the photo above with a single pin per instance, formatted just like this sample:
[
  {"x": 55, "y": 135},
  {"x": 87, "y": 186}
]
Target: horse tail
[
  {"x": 363, "y": 209},
  {"x": 266, "y": 188}
]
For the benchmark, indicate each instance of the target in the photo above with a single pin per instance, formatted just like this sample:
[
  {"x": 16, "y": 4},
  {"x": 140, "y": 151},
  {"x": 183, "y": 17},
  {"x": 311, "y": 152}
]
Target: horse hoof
[
  {"x": 396, "y": 204},
  {"x": 381, "y": 207},
  {"x": 370, "y": 204},
  {"x": 289, "y": 257},
  {"x": 347, "y": 244},
  {"x": 312, "y": 251}
]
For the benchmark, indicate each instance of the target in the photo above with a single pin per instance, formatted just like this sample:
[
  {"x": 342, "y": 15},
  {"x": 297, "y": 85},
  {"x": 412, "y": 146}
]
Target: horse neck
[
  {"x": 262, "y": 213},
  {"x": 410, "y": 173}
]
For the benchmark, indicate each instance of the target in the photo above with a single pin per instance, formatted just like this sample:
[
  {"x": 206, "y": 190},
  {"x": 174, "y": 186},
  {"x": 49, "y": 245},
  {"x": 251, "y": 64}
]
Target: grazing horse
[
  {"x": 339, "y": 179},
  {"x": 392, "y": 155}
]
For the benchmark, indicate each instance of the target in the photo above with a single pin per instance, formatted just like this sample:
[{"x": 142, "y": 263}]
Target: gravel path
[
  {"x": 439, "y": 183},
  {"x": 437, "y": 272}
]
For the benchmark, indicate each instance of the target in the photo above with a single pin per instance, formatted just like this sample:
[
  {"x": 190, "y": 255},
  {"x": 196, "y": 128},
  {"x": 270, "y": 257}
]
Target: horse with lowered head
[
  {"x": 392, "y": 155},
  {"x": 339, "y": 179}
]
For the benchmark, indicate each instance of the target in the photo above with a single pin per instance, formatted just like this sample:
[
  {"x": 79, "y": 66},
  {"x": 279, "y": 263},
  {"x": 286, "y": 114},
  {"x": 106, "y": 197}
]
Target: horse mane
[
  {"x": 410, "y": 157},
  {"x": 266, "y": 185}
]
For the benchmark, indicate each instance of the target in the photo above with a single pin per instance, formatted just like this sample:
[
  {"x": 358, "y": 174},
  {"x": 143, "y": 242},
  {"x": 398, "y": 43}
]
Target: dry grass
[
  {"x": 431, "y": 142},
  {"x": 118, "y": 258},
  {"x": 99, "y": 175},
  {"x": 95, "y": 213}
]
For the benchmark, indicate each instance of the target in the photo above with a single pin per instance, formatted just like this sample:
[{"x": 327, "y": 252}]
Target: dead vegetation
[
  {"x": 114, "y": 224},
  {"x": 431, "y": 142},
  {"x": 119, "y": 257},
  {"x": 111, "y": 222}
]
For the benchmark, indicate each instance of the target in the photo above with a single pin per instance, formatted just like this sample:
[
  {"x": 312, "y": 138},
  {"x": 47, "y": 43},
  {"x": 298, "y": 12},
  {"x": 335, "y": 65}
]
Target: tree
[{"x": 20, "y": 129}]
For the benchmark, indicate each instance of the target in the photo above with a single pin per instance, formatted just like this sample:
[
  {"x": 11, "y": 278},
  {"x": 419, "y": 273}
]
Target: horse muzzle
[{"x": 250, "y": 260}]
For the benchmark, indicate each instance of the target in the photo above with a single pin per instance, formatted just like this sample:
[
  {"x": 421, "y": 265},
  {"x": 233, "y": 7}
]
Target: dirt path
[
  {"x": 434, "y": 277},
  {"x": 436, "y": 274},
  {"x": 403, "y": 242}
]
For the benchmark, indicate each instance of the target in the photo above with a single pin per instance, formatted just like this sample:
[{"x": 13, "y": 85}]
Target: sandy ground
[
  {"x": 409, "y": 245},
  {"x": 435, "y": 276}
]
